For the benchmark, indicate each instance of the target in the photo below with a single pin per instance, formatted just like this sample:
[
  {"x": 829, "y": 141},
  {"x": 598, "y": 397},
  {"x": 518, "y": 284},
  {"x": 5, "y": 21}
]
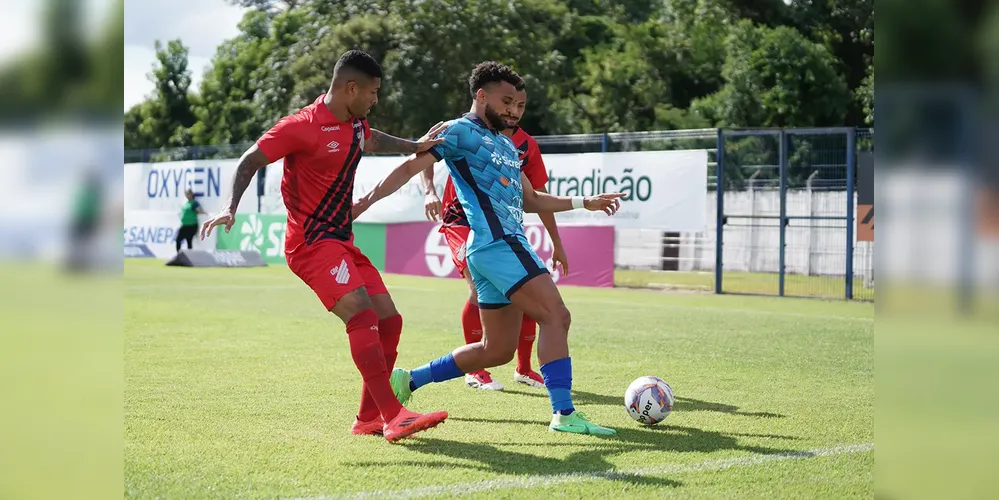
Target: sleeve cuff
[{"x": 437, "y": 153}]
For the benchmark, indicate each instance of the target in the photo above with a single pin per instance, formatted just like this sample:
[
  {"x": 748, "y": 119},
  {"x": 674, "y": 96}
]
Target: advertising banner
[
  {"x": 664, "y": 190},
  {"x": 160, "y": 187},
  {"x": 265, "y": 233},
  {"x": 148, "y": 232},
  {"x": 418, "y": 248}
]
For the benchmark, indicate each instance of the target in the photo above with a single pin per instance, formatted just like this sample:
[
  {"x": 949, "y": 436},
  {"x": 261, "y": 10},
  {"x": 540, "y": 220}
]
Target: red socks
[
  {"x": 471, "y": 323},
  {"x": 369, "y": 357},
  {"x": 525, "y": 347}
]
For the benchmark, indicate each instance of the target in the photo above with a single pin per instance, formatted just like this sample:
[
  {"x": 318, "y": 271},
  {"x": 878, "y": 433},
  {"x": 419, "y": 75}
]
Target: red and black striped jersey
[{"x": 320, "y": 154}]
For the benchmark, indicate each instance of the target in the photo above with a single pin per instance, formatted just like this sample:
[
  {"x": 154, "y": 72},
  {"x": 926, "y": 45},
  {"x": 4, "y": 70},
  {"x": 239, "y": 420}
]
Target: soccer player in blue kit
[{"x": 509, "y": 277}]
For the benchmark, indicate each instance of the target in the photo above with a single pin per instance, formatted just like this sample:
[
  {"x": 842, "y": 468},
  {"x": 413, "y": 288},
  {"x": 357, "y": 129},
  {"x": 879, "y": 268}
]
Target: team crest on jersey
[{"x": 341, "y": 273}]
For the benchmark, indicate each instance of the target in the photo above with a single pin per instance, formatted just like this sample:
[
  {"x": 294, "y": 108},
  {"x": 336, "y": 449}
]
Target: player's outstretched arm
[
  {"x": 535, "y": 202},
  {"x": 380, "y": 142},
  {"x": 251, "y": 161},
  {"x": 393, "y": 181},
  {"x": 432, "y": 202}
]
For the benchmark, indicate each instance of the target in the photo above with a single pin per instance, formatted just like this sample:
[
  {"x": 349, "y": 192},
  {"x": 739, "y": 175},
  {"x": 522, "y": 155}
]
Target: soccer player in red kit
[
  {"x": 455, "y": 229},
  {"x": 321, "y": 146}
]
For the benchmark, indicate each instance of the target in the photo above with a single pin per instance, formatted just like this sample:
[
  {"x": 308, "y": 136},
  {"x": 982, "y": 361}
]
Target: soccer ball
[{"x": 649, "y": 400}]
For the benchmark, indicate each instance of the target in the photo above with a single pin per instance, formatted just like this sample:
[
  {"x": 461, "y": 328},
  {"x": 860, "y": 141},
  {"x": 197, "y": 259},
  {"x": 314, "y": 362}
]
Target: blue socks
[
  {"x": 558, "y": 381},
  {"x": 557, "y": 375},
  {"x": 439, "y": 370}
]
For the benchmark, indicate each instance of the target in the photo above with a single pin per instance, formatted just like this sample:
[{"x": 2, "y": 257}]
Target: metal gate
[{"x": 786, "y": 214}]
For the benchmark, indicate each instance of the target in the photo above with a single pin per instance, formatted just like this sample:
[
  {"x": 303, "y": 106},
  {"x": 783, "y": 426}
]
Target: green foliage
[
  {"x": 165, "y": 119},
  {"x": 770, "y": 73},
  {"x": 590, "y": 65}
]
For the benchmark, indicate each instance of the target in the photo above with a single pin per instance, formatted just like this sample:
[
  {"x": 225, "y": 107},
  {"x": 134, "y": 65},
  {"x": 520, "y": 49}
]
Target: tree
[
  {"x": 865, "y": 95},
  {"x": 249, "y": 85},
  {"x": 164, "y": 119},
  {"x": 846, "y": 28},
  {"x": 775, "y": 77}
]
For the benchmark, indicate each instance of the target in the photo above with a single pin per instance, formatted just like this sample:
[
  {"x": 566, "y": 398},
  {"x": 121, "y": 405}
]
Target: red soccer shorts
[
  {"x": 457, "y": 237},
  {"x": 334, "y": 268}
]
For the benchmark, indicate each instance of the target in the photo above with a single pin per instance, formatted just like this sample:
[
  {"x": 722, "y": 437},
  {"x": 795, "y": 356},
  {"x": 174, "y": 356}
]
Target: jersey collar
[{"x": 474, "y": 118}]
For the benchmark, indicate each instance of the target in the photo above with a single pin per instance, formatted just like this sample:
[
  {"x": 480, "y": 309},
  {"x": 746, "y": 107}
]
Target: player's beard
[{"x": 495, "y": 120}]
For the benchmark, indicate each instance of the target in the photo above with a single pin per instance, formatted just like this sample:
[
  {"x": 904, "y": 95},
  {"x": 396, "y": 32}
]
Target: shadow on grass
[
  {"x": 591, "y": 460},
  {"x": 583, "y": 399}
]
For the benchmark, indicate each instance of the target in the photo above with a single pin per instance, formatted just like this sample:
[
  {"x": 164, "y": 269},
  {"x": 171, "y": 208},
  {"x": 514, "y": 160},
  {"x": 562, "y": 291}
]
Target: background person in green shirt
[{"x": 189, "y": 220}]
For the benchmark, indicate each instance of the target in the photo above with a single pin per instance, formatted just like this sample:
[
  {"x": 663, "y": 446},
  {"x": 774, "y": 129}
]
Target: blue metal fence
[{"x": 811, "y": 173}]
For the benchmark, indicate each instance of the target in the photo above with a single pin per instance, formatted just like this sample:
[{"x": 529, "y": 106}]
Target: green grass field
[
  {"x": 795, "y": 285},
  {"x": 239, "y": 385}
]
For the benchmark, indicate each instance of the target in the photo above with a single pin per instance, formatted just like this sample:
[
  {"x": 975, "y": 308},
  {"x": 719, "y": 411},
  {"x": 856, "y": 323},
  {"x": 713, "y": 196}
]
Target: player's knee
[
  {"x": 353, "y": 304},
  {"x": 561, "y": 317},
  {"x": 503, "y": 356},
  {"x": 497, "y": 354},
  {"x": 384, "y": 306}
]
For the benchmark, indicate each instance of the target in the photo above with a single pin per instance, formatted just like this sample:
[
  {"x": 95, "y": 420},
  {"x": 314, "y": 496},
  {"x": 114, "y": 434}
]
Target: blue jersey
[{"x": 485, "y": 168}]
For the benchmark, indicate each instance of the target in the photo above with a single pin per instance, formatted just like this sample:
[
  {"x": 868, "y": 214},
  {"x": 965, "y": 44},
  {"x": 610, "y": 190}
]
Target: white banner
[
  {"x": 160, "y": 186},
  {"x": 158, "y": 232},
  {"x": 664, "y": 190}
]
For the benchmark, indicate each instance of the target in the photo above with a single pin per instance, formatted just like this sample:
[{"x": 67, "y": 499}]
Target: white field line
[{"x": 544, "y": 481}]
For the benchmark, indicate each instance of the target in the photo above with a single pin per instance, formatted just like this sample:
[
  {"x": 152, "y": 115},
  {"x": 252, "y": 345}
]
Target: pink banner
[{"x": 417, "y": 248}]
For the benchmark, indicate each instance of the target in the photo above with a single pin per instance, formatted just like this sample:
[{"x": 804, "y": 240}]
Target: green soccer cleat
[
  {"x": 577, "y": 423},
  {"x": 400, "y": 385}
]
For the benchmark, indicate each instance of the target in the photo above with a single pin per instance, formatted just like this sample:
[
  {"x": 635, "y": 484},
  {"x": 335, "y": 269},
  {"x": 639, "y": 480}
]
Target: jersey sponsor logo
[
  {"x": 334, "y": 128},
  {"x": 341, "y": 273},
  {"x": 501, "y": 159},
  {"x": 334, "y": 147},
  {"x": 504, "y": 181}
]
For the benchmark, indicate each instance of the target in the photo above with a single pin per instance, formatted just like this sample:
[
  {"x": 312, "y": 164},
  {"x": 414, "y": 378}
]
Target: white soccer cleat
[
  {"x": 482, "y": 380},
  {"x": 531, "y": 378}
]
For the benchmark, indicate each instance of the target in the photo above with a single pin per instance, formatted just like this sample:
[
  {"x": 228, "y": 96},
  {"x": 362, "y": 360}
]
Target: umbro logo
[
  {"x": 334, "y": 147},
  {"x": 334, "y": 128},
  {"x": 341, "y": 273},
  {"x": 487, "y": 140}
]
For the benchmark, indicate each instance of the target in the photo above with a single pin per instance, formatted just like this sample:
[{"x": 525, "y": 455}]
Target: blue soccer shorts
[{"x": 501, "y": 267}]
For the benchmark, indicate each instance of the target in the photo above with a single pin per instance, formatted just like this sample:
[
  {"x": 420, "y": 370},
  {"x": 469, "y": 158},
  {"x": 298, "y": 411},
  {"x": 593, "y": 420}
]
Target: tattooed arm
[
  {"x": 380, "y": 142},
  {"x": 252, "y": 160}
]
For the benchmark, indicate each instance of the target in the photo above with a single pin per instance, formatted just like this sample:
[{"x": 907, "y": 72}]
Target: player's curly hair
[
  {"x": 360, "y": 61},
  {"x": 493, "y": 72}
]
